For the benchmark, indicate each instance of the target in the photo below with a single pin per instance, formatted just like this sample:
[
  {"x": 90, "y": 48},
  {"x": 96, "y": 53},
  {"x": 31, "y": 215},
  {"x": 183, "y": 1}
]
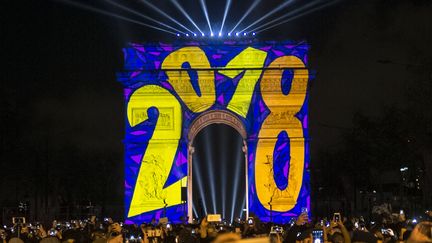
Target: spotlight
[
  {"x": 187, "y": 35},
  {"x": 204, "y": 8},
  {"x": 237, "y": 34},
  {"x": 211, "y": 34},
  {"x": 244, "y": 34},
  {"x": 229, "y": 34},
  {"x": 141, "y": 15},
  {"x": 180, "y": 8},
  {"x": 220, "y": 34},
  {"x": 195, "y": 34},
  {"x": 178, "y": 35},
  {"x": 253, "y": 33},
  {"x": 164, "y": 14},
  {"x": 227, "y": 6},
  {"x": 202, "y": 34},
  {"x": 293, "y": 15},
  {"x": 251, "y": 7}
]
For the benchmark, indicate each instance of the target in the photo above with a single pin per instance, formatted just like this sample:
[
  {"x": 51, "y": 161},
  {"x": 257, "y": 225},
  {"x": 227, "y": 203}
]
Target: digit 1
[{"x": 249, "y": 58}]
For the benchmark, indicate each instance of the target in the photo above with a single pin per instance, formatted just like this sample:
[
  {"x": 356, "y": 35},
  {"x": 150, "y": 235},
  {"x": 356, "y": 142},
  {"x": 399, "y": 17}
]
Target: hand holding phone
[{"x": 302, "y": 219}]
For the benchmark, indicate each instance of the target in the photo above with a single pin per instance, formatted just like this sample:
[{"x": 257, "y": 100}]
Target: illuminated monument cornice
[{"x": 262, "y": 85}]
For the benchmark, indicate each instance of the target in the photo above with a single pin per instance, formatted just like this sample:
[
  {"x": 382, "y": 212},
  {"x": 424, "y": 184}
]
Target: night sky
[{"x": 62, "y": 110}]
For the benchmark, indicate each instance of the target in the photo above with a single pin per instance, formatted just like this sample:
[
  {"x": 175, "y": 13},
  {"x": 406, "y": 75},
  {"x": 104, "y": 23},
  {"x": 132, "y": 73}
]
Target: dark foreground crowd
[{"x": 336, "y": 229}]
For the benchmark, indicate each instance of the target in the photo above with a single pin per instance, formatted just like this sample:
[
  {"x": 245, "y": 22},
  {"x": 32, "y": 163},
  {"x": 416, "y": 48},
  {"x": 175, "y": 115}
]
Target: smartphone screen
[
  {"x": 250, "y": 220},
  {"x": 336, "y": 217},
  {"x": 318, "y": 236}
]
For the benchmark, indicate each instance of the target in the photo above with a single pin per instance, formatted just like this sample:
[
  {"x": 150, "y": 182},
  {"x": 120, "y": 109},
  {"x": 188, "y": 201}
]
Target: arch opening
[
  {"x": 218, "y": 173},
  {"x": 217, "y": 167}
]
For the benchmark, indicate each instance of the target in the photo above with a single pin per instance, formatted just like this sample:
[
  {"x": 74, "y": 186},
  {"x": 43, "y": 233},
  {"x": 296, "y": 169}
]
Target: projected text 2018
[{"x": 167, "y": 87}]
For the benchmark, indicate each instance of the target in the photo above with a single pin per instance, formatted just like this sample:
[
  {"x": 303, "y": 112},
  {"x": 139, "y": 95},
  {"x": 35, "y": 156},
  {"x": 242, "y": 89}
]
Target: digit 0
[{"x": 182, "y": 81}]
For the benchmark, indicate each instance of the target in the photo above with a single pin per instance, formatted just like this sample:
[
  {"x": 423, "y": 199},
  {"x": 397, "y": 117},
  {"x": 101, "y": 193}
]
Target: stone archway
[{"x": 202, "y": 121}]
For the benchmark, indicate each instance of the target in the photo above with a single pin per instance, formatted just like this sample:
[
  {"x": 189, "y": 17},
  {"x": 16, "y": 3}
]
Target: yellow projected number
[
  {"x": 249, "y": 58},
  {"x": 281, "y": 106},
  {"x": 181, "y": 81},
  {"x": 156, "y": 163}
]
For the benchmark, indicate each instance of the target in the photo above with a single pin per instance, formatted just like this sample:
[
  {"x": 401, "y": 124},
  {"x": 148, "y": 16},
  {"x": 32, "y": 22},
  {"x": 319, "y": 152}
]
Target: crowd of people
[{"x": 394, "y": 228}]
